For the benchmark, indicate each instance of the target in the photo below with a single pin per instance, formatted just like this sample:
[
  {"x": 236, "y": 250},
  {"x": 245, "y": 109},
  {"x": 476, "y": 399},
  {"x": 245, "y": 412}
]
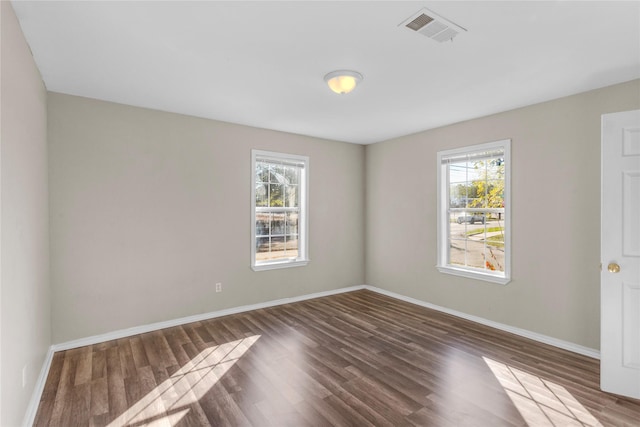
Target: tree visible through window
[
  {"x": 279, "y": 199},
  {"x": 473, "y": 211}
]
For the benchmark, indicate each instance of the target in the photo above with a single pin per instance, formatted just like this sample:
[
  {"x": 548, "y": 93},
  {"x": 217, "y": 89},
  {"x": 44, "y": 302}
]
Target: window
[
  {"x": 474, "y": 211},
  {"x": 279, "y": 210}
]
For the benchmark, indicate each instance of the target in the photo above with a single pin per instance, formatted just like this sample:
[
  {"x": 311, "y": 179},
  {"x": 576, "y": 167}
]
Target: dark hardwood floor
[{"x": 353, "y": 359}]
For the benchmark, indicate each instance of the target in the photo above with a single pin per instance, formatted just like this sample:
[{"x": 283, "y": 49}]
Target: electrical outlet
[{"x": 218, "y": 287}]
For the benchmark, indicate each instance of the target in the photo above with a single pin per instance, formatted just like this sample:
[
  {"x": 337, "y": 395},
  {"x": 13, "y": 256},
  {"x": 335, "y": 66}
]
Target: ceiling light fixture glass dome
[{"x": 343, "y": 81}]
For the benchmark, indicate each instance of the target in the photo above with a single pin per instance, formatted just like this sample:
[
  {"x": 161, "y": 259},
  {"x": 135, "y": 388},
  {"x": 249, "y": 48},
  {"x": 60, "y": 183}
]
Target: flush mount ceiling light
[{"x": 343, "y": 81}]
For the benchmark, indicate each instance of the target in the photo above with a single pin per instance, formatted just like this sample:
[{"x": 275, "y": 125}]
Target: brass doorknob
[{"x": 613, "y": 268}]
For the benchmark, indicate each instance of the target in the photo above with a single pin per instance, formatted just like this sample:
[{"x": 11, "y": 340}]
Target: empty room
[{"x": 314, "y": 213}]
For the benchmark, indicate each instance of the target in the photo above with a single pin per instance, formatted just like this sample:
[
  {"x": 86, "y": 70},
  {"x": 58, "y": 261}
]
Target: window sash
[
  {"x": 269, "y": 209},
  {"x": 479, "y": 210}
]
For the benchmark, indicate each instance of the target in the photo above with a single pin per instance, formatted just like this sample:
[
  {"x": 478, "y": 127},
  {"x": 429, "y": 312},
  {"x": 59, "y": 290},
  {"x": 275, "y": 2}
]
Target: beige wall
[
  {"x": 555, "y": 208},
  {"x": 24, "y": 296},
  {"x": 145, "y": 203},
  {"x": 150, "y": 209}
]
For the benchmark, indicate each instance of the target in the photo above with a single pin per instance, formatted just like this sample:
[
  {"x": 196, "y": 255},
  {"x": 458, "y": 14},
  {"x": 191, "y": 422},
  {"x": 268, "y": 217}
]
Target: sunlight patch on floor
[
  {"x": 539, "y": 401},
  {"x": 168, "y": 403}
]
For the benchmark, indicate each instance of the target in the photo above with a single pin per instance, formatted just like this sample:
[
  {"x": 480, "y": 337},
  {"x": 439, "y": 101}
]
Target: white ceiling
[{"x": 262, "y": 63}]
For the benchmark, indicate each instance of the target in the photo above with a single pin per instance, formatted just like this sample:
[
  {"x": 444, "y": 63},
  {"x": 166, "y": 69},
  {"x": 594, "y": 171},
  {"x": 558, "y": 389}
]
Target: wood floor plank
[
  {"x": 84, "y": 367},
  {"x": 98, "y": 364},
  {"x": 247, "y": 399},
  {"x": 63, "y": 399},
  {"x": 335, "y": 412},
  {"x": 138, "y": 352},
  {"x": 358, "y": 358},
  {"x": 364, "y": 410},
  {"x": 79, "y": 409},
  {"x": 99, "y": 397},
  {"x": 375, "y": 401},
  {"x": 115, "y": 383},
  {"x": 127, "y": 363}
]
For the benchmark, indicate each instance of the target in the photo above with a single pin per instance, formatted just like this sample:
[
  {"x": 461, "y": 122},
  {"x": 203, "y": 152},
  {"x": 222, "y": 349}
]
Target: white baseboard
[
  {"x": 32, "y": 409},
  {"x": 122, "y": 333},
  {"x": 39, "y": 388},
  {"x": 565, "y": 345}
]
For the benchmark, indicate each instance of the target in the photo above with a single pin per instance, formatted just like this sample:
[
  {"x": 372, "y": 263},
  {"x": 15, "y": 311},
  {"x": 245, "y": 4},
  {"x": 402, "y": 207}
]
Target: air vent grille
[
  {"x": 419, "y": 22},
  {"x": 430, "y": 24}
]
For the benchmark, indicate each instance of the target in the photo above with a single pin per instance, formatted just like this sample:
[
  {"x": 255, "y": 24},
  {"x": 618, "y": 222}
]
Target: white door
[{"x": 620, "y": 254}]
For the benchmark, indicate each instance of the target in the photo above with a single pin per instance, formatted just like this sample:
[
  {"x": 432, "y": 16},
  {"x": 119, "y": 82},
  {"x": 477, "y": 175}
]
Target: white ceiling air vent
[{"x": 432, "y": 25}]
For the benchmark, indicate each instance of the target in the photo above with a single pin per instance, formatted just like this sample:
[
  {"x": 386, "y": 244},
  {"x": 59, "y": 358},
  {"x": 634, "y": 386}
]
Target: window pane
[
  {"x": 467, "y": 218},
  {"x": 262, "y": 172},
  {"x": 461, "y": 194},
  {"x": 477, "y": 202},
  {"x": 276, "y": 195},
  {"x": 280, "y": 171},
  {"x": 292, "y": 223},
  {"x": 458, "y": 173},
  {"x": 262, "y": 248},
  {"x": 271, "y": 168},
  {"x": 475, "y": 253},
  {"x": 262, "y": 194},
  {"x": 291, "y": 196},
  {"x": 277, "y": 243},
  {"x": 262, "y": 224},
  {"x": 277, "y": 223},
  {"x": 292, "y": 175},
  {"x": 495, "y": 193},
  {"x": 278, "y": 174},
  {"x": 291, "y": 244},
  {"x": 495, "y": 258},
  {"x": 457, "y": 251},
  {"x": 495, "y": 168}
]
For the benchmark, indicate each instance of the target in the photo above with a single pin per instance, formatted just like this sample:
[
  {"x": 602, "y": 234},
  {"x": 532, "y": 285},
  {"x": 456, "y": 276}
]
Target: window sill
[
  {"x": 279, "y": 264},
  {"x": 473, "y": 274}
]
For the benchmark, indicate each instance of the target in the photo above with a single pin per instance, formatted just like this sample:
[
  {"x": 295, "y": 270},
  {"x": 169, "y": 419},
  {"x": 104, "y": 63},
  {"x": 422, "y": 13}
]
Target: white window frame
[
  {"x": 443, "y": 216},
  {"x": 303, "y": 219}
]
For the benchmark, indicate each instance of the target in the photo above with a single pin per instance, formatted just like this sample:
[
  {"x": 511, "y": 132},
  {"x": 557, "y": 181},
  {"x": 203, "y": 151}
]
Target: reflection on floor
[
  {"x": 539, "y": 401},
  {"x": 166, "y": 403}
]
